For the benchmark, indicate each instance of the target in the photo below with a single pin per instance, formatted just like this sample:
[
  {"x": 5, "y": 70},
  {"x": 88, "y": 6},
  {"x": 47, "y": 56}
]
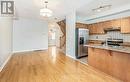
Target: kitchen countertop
[{"x": 113, "y": 48}]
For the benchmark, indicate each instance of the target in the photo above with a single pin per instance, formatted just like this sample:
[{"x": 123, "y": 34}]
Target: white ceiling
[
  {"x": 86, "y": 10},
  {"x": 31, "y": 8},
  {"x": 60, "y": 8}
]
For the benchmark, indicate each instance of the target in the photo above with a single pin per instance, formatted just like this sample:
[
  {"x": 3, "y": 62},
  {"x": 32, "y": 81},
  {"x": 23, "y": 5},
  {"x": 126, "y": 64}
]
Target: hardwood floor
[{"x": 49, "y": 66}]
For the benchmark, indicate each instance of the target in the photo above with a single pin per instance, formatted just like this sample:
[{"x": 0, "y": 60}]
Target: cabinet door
[
  {"x": 81, "y": 25},
  {"x": 92, "y": 57},
  {"x": 103, "y": 59},
  {"x": 120, "y": 67},
  {"x": 125, "y": 25},
  {"x": 97, "y": 28},
  {"x": 106, "y": 24},
  {"x": 100, "y": 29},
  {"x": 116, "y": 23},
  {"x": 94, "y": 27},
  {"x": 90, "y": 27},
  {"x": 99, "y": 59}
]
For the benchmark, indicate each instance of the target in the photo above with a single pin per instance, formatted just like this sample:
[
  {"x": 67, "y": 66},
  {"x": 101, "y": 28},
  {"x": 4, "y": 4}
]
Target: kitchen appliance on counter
[
  {"x": 114, "y": 42},
  {"x": 82, "y": 37}
]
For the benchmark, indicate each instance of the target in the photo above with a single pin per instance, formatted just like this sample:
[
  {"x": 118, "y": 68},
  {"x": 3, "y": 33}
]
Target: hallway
[{"x": 49, "y": 66}]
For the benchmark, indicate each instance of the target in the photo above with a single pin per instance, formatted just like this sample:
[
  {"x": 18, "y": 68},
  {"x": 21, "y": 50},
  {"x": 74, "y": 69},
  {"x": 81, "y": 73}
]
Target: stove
[{"x": 114, "y": 42}]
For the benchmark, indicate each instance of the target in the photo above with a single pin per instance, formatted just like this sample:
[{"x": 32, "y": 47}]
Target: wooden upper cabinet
[
  {"x": 90, "y": 27},
  {"x": 100, "y": 28},
  {"x": 107, "y": 24},
  {"x": 125, "y": 25},
  {"x": 116, "y": 23},
  {"x": 94, "y": 27},
  {"x": 81, "y": 25}
]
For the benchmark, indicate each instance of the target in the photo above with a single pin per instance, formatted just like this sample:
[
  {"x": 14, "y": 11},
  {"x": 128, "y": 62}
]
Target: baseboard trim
[
  {"x": 29, "y": 50},
  {"x": 6, "y": 61},
  {"x": 71, "y": 57},
  {"x": 76, "y": 60}
]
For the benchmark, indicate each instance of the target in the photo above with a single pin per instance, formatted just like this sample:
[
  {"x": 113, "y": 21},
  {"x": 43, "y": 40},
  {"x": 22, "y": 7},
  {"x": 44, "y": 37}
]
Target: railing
[
  {"x": 62, "y": 41},
  {"x": 62, "y": 25}
]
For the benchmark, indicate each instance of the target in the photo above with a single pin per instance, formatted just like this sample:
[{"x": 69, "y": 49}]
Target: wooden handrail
[
  {"x": 62, "y": 25},
  {"x": 62, "y": 41}
]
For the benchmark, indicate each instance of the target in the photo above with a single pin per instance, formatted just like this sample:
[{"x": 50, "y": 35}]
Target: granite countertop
[{"x": 113, "y": 48}]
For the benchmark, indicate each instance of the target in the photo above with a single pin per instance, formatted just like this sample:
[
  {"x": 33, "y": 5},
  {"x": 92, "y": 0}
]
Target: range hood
[{"x": 112, "y": 29}]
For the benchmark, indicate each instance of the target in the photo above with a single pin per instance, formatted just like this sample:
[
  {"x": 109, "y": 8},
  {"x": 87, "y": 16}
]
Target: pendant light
[{"x": 45, "y": 12}]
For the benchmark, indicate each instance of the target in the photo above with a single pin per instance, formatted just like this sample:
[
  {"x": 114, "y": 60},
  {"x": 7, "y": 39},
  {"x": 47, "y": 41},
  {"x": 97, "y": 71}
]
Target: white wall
[
  {"x": 6, "y": 25},
  {"x": 70, "y": 34},
  {"x": 30, "y": 34}
]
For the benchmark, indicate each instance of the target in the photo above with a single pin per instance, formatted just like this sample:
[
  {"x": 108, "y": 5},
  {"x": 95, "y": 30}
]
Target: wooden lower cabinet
[
  {"x": 116, "y": 64},
  {"x": 95, "y": 61},
  {"x": 120, "y": 66}
]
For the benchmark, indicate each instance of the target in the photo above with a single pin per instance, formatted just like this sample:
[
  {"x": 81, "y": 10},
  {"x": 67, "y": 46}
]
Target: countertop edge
[{"x": 123, "y": 50}]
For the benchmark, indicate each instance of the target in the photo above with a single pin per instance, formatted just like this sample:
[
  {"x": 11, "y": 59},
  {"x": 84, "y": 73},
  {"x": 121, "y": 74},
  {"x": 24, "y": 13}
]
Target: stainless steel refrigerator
[{"x": 82, "y": 37}]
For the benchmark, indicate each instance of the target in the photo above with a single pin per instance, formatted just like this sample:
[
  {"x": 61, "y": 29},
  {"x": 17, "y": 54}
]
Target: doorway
[
  {"x": 52, "y": 37},
  {"x": 54, "y": 34}
]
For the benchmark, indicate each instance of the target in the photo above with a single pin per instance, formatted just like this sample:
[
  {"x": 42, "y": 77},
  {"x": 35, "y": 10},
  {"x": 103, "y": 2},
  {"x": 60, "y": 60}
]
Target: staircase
[{"x": 62, "y": 25}]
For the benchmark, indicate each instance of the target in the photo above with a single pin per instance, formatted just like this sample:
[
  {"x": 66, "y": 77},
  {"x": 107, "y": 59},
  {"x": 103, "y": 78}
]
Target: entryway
[{"x": 54, "y": 34}]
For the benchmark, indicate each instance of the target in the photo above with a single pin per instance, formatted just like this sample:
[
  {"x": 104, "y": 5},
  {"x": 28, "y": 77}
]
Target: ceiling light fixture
[
  {"x": 101, "y": 8},
  {"x": 45, "y": 12}
]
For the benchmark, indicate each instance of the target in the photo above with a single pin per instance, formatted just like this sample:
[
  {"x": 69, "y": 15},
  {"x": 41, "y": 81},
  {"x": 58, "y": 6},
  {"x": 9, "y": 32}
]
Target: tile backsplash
[{"x": 114, "y": 34}]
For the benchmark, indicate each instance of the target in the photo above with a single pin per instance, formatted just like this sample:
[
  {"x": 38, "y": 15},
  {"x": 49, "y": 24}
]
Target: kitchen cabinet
[
  {"x": 111, "y": 62},
  {"x": 125, "y": 25},
  {"x": 100, "y": 28},
  {"x": 116, "y": 23},
  {"x": 90, "y": 27},
  {"x": 98, "y": 58},
  {"x": 106, "y": 24},
  {"x": 81, "y": 25},
  {"x": 96, "y": 28},
  {"x": 120, "y": 66}
]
